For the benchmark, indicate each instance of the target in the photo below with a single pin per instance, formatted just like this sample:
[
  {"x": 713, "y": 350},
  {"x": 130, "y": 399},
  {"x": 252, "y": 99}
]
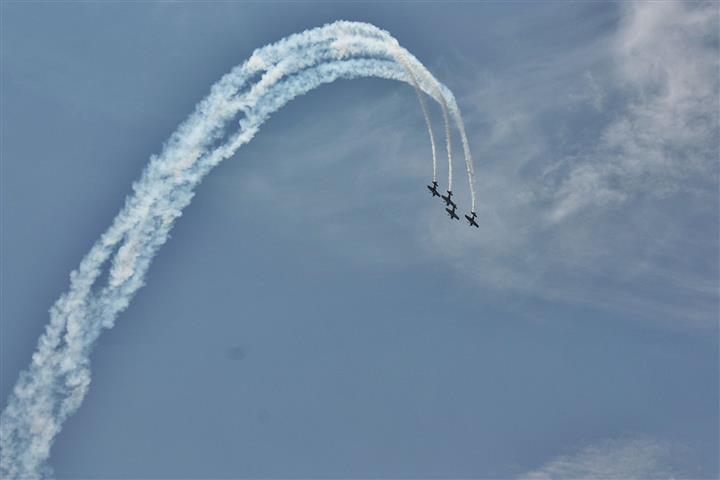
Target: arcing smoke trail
[
  {"x": 428, "y": 122},
  {"x": 426, "y": 114},
  {"x": 448, "y": 138},
  {"x": 430, "y": 85},
  {"x": 402, "y": 56},
  {"x": 54, "y": 385}
]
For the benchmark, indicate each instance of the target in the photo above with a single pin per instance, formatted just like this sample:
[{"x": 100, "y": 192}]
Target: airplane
[
  {"x": 471, "y": 220},
  {"x": 448, "y": 200},
  {"x": 451, "y": 213},
  {"x": 433, "y": 189}
]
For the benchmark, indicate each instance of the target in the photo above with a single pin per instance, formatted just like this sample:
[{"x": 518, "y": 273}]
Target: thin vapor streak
[
  {"x": 426, "y": 114},
  {"x": 404, "y": 57},
  {"x": 54, "y": 385}
]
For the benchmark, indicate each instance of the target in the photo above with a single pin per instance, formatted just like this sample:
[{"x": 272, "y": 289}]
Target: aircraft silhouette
[
  {"x": 448, "y": 200},
  {"x": 471, "y": 220},
  {"x": 433, "y": 189},
  {"x": 451, "y": 213}
]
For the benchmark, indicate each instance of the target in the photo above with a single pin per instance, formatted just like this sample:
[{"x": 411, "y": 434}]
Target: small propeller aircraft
[
  {"x": 433, "y": 189},
  {"x": 448, "y": 200},
  {"x": 451, "y": 213},
  {"x": 471, "y": 220}
]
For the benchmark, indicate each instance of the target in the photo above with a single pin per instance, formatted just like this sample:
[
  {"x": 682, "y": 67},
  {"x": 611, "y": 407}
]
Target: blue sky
[{"x": 315, "y": 313}]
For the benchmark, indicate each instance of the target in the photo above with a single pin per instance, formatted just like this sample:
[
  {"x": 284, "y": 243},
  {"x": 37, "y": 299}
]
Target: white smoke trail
[
  {"x": 446, "y": 99},
  {"x": 430, "y": 85},
  {"x": 448, "y": 138},
  {"x": 405, "y": 57},
  {"x": 426, "y": 114},
  {"x": 72, "y": 330},
  {"x": 58, "y": 378},
  {"x": 455, "y": 110},
  {"x": 428, "y": 122}
]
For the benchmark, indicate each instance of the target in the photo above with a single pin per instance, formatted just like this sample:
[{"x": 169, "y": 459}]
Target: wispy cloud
[
  {"x": 643, "y": 458},
  {"x": 591, "y": 92},
  {"x": 592, "y": 174},
  {"x": 665, "y": 59}
]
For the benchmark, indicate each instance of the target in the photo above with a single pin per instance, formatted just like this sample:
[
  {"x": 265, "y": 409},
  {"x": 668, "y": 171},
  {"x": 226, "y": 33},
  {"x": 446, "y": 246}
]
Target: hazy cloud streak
[{"x": 610, "y": 459}]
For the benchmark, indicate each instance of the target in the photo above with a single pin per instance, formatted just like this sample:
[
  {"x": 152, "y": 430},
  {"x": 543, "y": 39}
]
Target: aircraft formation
[{"x": 451, "y": 206}]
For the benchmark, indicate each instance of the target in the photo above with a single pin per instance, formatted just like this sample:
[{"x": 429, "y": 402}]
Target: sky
[{"x": 315, "y": 313}]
